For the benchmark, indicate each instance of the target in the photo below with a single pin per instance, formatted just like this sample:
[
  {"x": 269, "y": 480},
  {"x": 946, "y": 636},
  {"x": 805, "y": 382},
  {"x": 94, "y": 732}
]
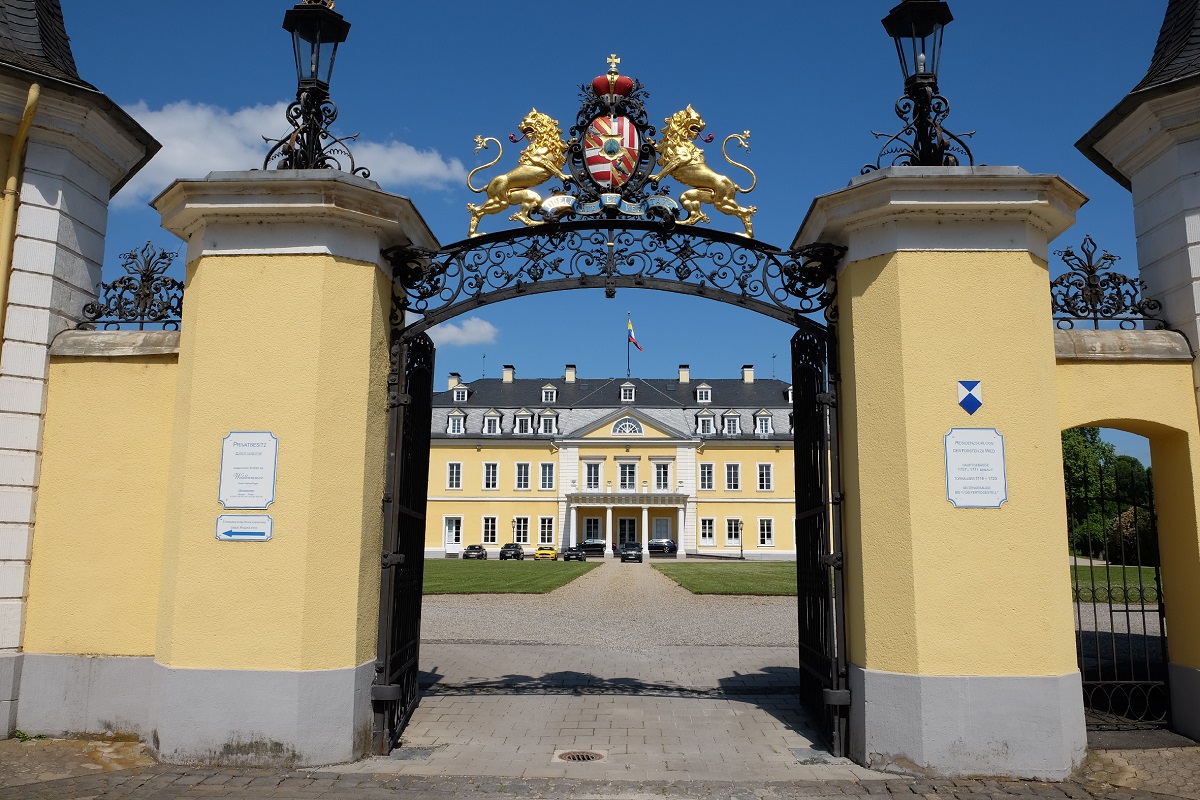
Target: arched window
[{"x": 627, "y": 427}]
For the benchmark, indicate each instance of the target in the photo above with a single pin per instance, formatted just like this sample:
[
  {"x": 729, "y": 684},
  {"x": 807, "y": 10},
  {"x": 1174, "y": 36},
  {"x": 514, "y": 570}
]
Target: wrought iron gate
[
  {"x": 410, "y": 401},
  {"x": 1120, "y": 630},
  {"x": 823, "y": 687}
]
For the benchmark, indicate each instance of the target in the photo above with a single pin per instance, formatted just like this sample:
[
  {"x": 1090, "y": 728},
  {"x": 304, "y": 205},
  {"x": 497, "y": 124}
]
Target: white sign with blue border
[
  {"x": 248, "y": 461},
  {"x": 244, "y": 527},
  {"x": 970, "y": 395},
  {"x": 975, "y": 470}
]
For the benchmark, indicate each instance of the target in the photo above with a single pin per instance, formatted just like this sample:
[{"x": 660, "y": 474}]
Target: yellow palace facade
[{"x": 705, "y": 463}]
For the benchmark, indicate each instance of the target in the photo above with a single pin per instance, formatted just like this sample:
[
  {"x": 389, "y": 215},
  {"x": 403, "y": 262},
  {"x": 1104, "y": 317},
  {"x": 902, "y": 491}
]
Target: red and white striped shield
[{"x": 610, "y": 149}]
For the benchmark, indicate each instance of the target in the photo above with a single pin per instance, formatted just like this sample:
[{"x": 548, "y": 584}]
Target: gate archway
[{"x": 611, "y": 226}]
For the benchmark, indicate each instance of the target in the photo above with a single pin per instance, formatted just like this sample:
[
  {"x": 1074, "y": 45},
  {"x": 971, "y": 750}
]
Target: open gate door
[
  {"x": 410, "y": 399},
  {"x": 823, "y": 688}
]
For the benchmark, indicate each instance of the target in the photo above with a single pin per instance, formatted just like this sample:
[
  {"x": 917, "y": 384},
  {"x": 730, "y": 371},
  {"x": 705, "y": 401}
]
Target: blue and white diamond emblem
[{"x": 970, "y": 395}]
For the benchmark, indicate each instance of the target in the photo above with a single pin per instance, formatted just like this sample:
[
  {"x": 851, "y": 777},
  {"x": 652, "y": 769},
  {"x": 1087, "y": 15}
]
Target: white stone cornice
[
  {"x": 964, "y": 209},
  {"x": 86, "y": 124},
  {"x": 292, "y": 212},
  {"x": 1150, "y": 130}
]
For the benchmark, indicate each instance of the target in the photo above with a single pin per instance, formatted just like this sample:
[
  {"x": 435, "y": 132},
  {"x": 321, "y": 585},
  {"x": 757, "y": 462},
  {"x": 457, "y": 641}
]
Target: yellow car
[{"x": 545, "y": 551}]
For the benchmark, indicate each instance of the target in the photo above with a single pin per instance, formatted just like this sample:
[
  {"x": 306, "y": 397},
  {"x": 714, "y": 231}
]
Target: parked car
[
  {"x": 512, "y": 551},
  {"x": 475, "y": 551},
  {"x": 666, "y": 545},
  {"x": 631, "y": 551},
  {"x": 575, "y": 553},
  {"x": 593, "y": 547},
  {"x": 544, "y": 552}
]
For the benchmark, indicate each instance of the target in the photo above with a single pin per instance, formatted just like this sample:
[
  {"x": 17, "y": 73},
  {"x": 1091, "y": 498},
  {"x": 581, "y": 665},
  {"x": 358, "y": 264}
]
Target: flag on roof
[{"x": 632, "y": 339}]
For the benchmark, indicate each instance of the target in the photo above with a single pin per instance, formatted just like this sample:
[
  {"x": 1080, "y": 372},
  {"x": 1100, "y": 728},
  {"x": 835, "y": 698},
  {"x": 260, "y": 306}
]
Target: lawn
[
  {"x": 458, "y": 576},
  {"x": 767, "y": 578},
  {"x": 1120, "y": 584}
]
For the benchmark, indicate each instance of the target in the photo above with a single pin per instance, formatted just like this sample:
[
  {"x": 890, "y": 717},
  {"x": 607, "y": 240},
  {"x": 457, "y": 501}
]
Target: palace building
[{"x": 706, "y": 463}]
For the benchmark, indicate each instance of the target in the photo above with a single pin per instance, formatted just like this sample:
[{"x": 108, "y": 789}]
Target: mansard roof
[
  {"x": 1174, "y": 67},
  {"x": 606, "y": 392},
  {"x": 33, "y": 38}
]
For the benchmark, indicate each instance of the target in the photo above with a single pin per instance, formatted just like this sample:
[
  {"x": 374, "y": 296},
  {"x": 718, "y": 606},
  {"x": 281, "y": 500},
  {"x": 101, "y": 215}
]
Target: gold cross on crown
[{"x": 613, "y": 61}]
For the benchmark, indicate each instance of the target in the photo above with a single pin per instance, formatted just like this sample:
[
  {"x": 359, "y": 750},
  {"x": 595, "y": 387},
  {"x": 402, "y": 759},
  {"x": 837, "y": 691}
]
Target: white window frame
[
  {"x": 460, "y": 395},
  {"x": 733, "y": 531},
  {"x": 494, "y": 466},
  {"x": 707, "y": 481},
  {"x": 627, "y": 469},
  {"x": 454, "y": 475},
  {"x": 545, "y": 530},
  {"x": 708, "y": 532},
  {"x": 634, "y": 428},
  {"x": 766, "y": 477},
  {"x": 490, "y": 530},
  {"x": 631, "y": 526},
  {"x": 455, "y": 425},
  {"x": 592, "y": 529},
  {"x": 523, "y": 424},
  {"x": 662, "y": 476},
  {"x": 704, "y": 395},
  {"x": 627, "y": 394},
  {"x": 491, "y": 424},
  {"x": 546, "y": 476},
  {"x": 456, "y": 521},
  {"x": 521, "y": 530},
  {"x": 704, "y": 426},
  {"x": 762, "y": 425},
  {"x": 733, "y": 476},
  {"x": 590, "y": 467},
  {"x": 661, "y": 527},
  {"x": 548, "y": 423},
  {"x": 521, "y": 476},
  {"x": 766, "y": 532},
  {"x": 549, "y": 395},
  {"x": 731, "y": 425}
]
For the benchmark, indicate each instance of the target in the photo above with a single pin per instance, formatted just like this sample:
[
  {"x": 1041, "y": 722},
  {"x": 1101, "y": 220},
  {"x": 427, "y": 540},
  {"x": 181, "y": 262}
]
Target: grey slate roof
[
  {"x": 1175, "y": 66},
  {"x": 33, "y": 37}
]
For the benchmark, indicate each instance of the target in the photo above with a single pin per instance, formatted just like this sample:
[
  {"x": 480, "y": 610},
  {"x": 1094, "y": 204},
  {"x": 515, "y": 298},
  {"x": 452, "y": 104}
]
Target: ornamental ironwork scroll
[
  {"x": 145, "y": 296},
  {"x": 924, "y": 140},
  {"x": 596, "y": 254},
  {"x": 310, "y": 144},
  {"x": 1091, "y": 292}
]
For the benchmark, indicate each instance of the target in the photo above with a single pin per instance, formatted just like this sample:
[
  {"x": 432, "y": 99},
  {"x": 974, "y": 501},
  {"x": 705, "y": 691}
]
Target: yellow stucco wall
[
  {"x": 933, "y": 589},
  {"x": 1155, "y": 400},
  {"x": 97, "y": 544},
  {"x": 310, "y": 365}
]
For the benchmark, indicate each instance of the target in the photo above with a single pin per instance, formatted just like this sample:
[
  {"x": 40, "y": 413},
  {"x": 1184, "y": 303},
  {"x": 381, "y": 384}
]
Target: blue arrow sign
[{"x": 244, "y": 527}]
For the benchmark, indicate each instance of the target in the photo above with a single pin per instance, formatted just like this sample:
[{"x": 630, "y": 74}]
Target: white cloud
[
  {"x": 198, "y": 139},
  {"x": 471, "y": 330}
]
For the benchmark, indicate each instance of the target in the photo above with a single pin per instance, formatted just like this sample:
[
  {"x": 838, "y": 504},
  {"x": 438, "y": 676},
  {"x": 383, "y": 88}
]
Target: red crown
[{"x": 612, "y": 84}]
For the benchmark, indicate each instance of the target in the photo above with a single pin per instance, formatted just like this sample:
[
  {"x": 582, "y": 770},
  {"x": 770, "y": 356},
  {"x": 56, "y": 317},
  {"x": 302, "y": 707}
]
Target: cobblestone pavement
[{"x": 682, "y": 697}]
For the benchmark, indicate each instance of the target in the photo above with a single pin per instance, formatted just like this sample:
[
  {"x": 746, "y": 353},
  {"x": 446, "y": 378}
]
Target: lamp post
[
  {"x": 917, "y": 28},
  {"x": 317, "y": 31}
]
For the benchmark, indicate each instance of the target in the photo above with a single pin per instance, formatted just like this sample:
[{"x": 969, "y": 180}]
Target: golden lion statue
[
  {"x": 542, "y": 160},
  {"x": 681, "y": 159}
]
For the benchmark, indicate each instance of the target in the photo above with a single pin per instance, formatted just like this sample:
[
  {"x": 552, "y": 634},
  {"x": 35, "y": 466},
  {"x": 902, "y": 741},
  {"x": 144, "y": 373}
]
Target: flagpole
[{"x": 628, "y": 322}]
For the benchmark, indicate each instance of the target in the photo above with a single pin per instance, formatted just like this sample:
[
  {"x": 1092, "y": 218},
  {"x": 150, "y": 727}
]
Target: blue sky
[{"x": 811, "y": 81}]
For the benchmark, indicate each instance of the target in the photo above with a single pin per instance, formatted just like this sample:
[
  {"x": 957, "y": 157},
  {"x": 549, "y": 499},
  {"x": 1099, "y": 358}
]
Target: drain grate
[{"x": 576, "y": 756}]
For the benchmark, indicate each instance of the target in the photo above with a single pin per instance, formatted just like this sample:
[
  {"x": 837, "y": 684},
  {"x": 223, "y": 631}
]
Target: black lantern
[
  {"x": 316, "y": 31},
  {"x": 917, "y": 26}
]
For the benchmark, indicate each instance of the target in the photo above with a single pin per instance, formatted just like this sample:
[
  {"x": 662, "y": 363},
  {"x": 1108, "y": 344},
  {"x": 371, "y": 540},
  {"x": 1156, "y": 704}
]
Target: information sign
[
  {"x": 248, "y": 460},
  {"x": 244, "y": 527},
  {"x": 975, "y": 474}
]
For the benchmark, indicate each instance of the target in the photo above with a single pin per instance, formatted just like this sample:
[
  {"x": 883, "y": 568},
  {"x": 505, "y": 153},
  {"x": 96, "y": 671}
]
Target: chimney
[
  {"x": 685, "y": 373},
  {"x": 747, "y": 373},
  {"x": 509, "y": 372},
  {"x": 455, "y": 380},
  {"x": 569, "y": 377}
]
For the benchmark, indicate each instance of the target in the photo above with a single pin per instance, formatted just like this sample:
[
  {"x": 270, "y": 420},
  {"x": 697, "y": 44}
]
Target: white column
[
  {"x": 573, "y": 535},
  {"x": 645, "y": 526},
  {"x": 679, "y": 512},
  {"x": 608, "y": 529}
]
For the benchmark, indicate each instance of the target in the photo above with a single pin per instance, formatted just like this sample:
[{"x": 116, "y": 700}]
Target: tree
[{"x": 1109, "y": 501}]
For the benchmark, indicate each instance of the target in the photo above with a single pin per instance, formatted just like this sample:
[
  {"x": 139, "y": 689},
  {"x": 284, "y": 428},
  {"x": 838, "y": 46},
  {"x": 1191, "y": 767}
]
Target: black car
[
  {"x": 666, "y": 546},
  {"x": 576, "y": 553},
  {"x": 474, "y": 551},
  {"x": 593, "y": 547},
  {"x": 631, "y": 551},
  {"x": 512, "y": 550}
]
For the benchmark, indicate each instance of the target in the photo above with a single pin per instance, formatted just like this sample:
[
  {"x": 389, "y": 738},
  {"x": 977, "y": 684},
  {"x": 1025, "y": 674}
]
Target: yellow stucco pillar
[
  {"x": 265, "y": 648},
  {"x": 958, "y": 600}
]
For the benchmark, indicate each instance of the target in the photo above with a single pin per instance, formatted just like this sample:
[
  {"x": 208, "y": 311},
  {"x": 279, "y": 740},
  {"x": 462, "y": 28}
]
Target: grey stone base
[
  {"x": 1185, "y": 700},
  {"x": 10, "y": 678},
  {"x": 196, "y": 716},
  {"x": 1018, "y": 727}
]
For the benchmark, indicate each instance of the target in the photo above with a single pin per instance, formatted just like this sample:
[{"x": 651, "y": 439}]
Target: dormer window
[
  {"x": 789, "y": 395},
  {"x": 549, "y": 394},
  {"x": 523, "y": 424},
  {"x": 704, "y": 423},
  {"x": 548, "y": 423},
  {"x": 627, "y": 393},
  {"x": 627, "y": 427},
  {"x": 456, "y": 423},
  {"x": 460, "y": 394},
  {"x": 733, "y": 425},
  {"x": 491, "y": 423},
  {"x": 762, "y": 424},
  {"x": 703, "y": 393}
]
